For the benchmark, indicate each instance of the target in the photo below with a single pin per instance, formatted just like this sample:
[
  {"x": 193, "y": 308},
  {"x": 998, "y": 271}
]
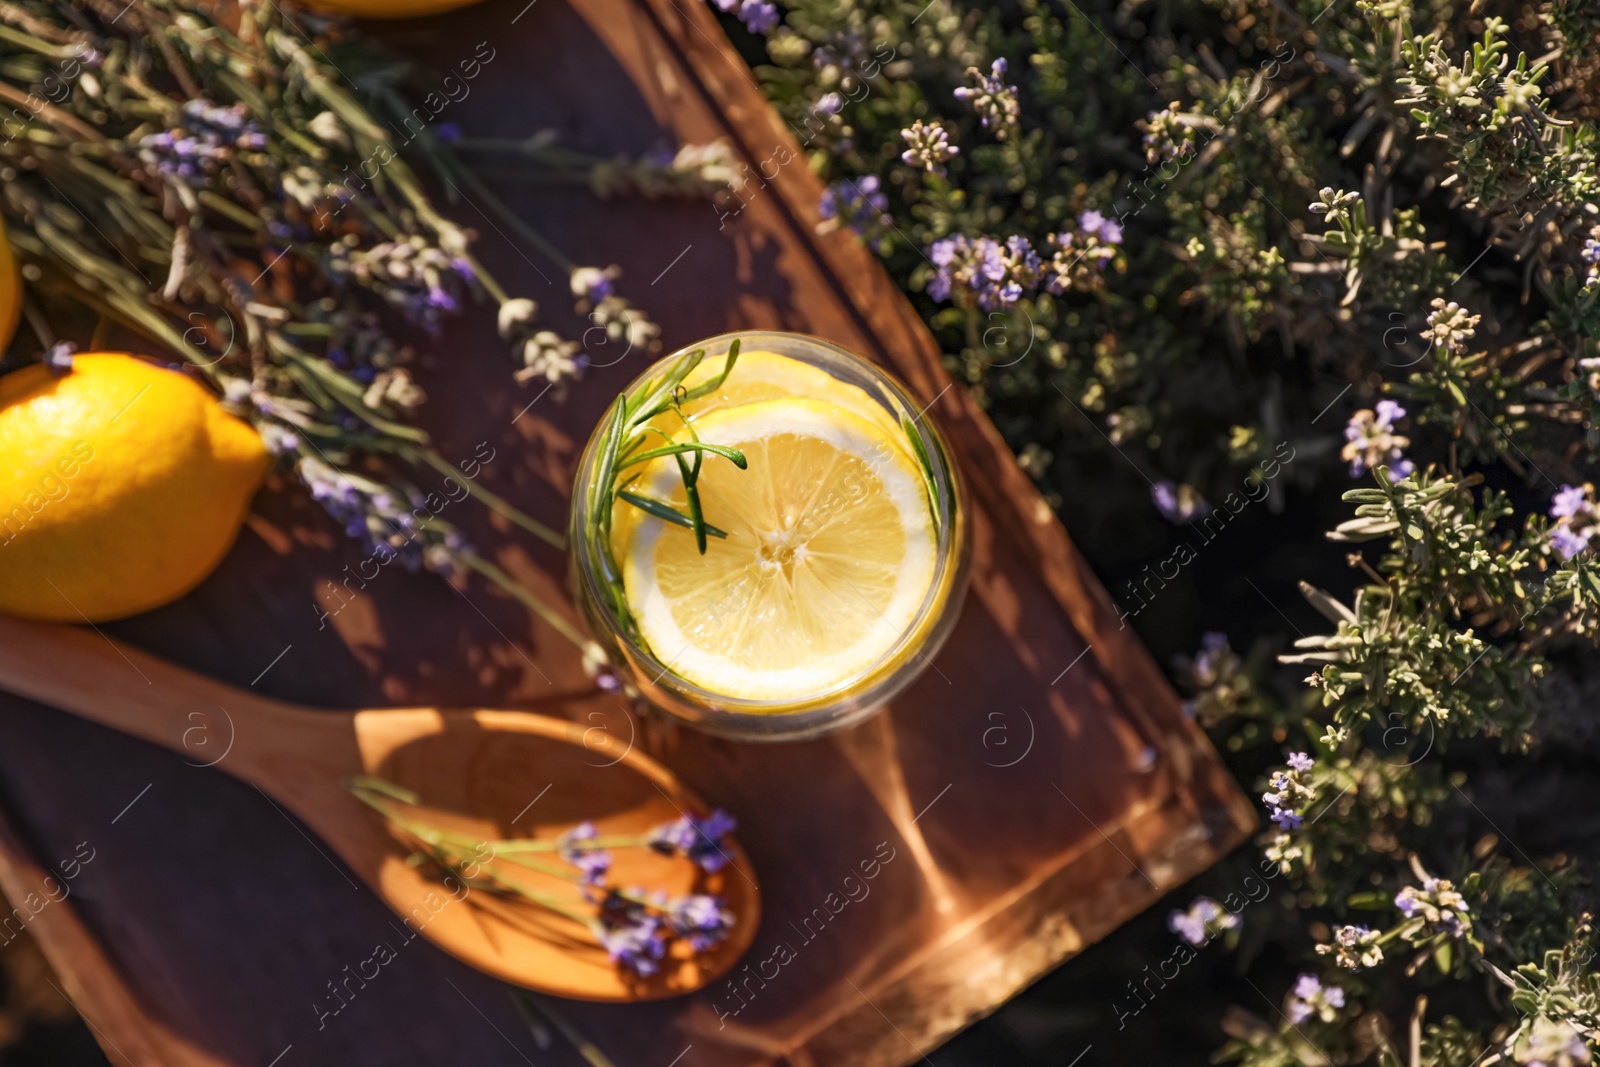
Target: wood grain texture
[{"x": 226, "y": 924}]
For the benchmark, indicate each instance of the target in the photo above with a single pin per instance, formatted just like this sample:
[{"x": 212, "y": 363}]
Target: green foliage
[{"x": 1391, "y": 199}]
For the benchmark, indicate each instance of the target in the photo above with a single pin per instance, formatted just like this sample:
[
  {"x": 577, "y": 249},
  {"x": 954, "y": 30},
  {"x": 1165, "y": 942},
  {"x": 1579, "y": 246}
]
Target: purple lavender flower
[
  {"x": 1568, "y": 501},
  {"x": 1566, "y": 543},
  {"x": 592, "y": 862},
  {"x": 58, "y": 360},
  {"x": 703, "y": 920},
  {"x": 1178, "y": 503},
  {"x": 859, "y": 205},
  {"x": 1021, "y": 260},
  {"x": 1354, "y": 947},
  {"x": 366, "y": 512},
  {"x": 1312, "y": 998},
  {"x": 1577, "y": 519},
  {"x": 1388, "y": 413},
  {"x": 1187, "y": 927},
  {"x": 205, "y": 136},
  {"x": 983, "y": 271},
  {"x": 1552, "y": 1043},
  {"x": 1299, "y": 1009},
  {"x": 1210, "y": 660},
  {"x": 420, "y": 280},
  {"x": 994, "y": 101},
  {"x": 1407, "y": 901},
  {"x": 1371, "y": 440},
  {"x": 633, "y": 938},
  {"x": 928, "y": 146},
  {"x": 698, "y": 839},
  {"x": 1290, "y": 792},
  {"x": 759, "y": 16},
  {"x": 1591, "y": 256},
  {"x": 1203, "y": 920},
  {"x": 591, "y": 285},
  {"x": 941, "y": 254},
  {"x": 1082, "y": 255},
  {"x": 1165, "y": 496}
]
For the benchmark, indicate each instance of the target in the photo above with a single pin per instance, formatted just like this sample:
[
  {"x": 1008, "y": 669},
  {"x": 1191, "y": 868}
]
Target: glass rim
[{"x": 823, "y": 704}]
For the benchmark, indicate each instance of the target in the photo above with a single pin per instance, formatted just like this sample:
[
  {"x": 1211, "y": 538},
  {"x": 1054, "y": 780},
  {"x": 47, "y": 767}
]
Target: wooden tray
[{"x": 1035, "y": 789}]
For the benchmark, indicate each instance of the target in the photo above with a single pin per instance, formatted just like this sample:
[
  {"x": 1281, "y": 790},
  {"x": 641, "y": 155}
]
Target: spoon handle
[{"x": 83, "y": 671}]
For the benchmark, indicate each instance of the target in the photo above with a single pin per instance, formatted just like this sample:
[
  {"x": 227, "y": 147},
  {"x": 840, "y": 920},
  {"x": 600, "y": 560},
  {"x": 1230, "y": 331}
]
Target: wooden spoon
[{"x": 493, "y": 774}]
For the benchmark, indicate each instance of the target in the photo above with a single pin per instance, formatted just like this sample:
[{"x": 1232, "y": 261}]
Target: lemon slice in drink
[
  {"x": 761, "y": 375},
  {"x": 829, "y": 552}
]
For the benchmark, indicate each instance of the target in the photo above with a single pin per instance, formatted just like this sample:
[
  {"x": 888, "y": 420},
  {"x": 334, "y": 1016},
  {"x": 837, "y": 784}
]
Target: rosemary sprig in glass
[{"x": 625, "y": 449}]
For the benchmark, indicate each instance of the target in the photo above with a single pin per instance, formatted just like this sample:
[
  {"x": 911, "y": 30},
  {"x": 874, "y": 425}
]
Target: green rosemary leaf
[
  {"x": 692, "y": 493},
  {"x": 666, "y": 512},
  {"x": 925, "y": 464},
  {"x": 606, "y": 472},
  {"x": 707, "y": 388},
  {"x": 658, "y": 398},
  {"x": 732, "y": 455}
]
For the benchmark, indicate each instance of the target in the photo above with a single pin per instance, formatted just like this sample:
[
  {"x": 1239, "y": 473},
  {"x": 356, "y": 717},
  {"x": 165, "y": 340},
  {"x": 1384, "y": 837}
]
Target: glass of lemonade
[{"x": 768, "y": 536}]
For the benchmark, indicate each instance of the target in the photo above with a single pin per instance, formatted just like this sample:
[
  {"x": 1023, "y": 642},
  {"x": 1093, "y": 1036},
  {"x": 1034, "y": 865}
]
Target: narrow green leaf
[
  {"x": 656, "y": 400},
  {"x": 666, "y": 512},
  {"x": 910, "y": 429},
  {"x": 606, "y": 471},
  {"x": 707, "y": 388},
  {"x": 732, "y": 455},
  {"x": 692, "y": 493}
]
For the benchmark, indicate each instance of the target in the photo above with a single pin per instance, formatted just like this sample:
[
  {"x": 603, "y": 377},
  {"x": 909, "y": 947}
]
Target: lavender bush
[{"x": 1164, "y": 243}]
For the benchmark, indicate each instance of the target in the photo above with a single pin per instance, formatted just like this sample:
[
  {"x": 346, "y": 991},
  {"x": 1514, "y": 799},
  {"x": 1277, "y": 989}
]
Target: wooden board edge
[
  {"x": 90, "y": 982},
  {"x": 1052, "y": 920}
]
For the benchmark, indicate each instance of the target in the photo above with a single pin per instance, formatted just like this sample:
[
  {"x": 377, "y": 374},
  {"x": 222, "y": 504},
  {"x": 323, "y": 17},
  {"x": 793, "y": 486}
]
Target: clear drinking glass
[{"x": 852, "y": 699}]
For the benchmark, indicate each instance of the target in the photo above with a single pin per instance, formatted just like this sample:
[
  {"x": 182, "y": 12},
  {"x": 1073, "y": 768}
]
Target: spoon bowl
[{"x": 490, "y": 774}]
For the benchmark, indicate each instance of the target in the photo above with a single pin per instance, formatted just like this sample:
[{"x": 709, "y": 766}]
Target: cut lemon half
[
  {"x": 761, "y": 375},
  {"x": 829, "y": 555}
]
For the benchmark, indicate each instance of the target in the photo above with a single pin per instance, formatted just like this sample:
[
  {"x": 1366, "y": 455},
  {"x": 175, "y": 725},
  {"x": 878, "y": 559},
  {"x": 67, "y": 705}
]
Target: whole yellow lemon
[
  {"x": 123, "y": 485},
  {"x": 10, "y": 291}
]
